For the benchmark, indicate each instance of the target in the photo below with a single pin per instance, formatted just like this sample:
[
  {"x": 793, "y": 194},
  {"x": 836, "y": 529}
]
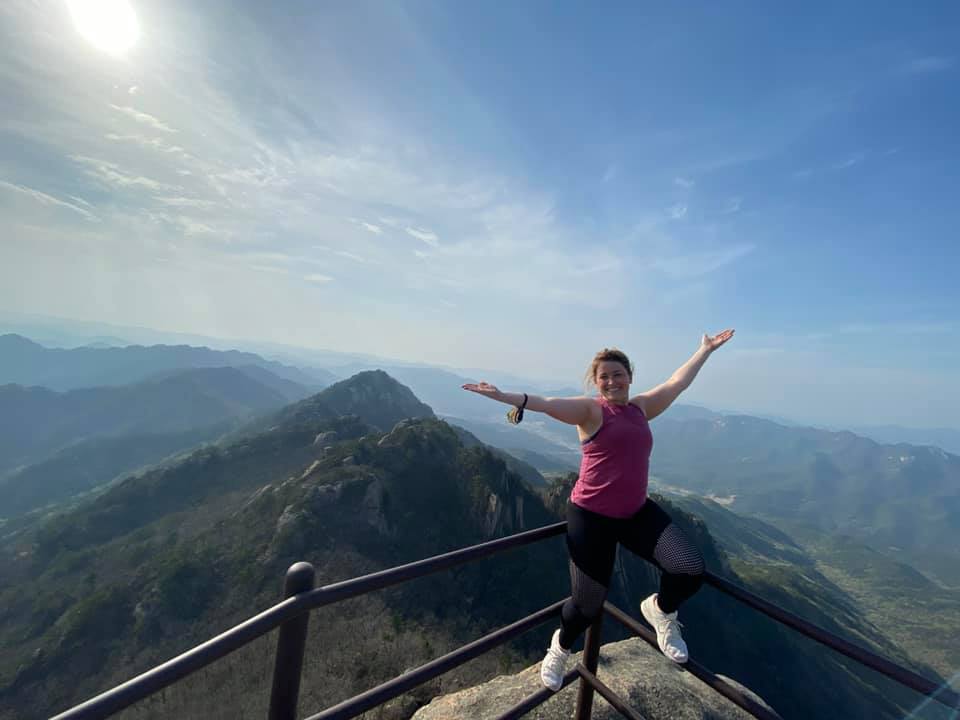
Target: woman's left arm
[{"x": 653, "y": 402}]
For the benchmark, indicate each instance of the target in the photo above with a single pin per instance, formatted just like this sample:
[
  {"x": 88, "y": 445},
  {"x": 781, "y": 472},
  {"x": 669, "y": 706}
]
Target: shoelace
[{"x": 669, "y": 625}]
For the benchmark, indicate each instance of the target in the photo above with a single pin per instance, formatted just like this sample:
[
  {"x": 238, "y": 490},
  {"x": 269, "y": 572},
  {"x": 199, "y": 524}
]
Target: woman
[{"x": 609, "y": 502}]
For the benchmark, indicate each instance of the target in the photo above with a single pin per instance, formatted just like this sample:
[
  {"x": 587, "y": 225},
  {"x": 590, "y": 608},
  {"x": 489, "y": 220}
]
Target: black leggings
[{"x": 592, "y": 541}]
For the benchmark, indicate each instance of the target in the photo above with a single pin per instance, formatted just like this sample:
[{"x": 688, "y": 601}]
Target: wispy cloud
[
  {"x": 190, "y": 202},
  {"x": 732, "y": 205},
  {"x": 695, "y": 264},
  {"x": 677, "y": 211},
  {"x": 187, "y": 226},
  {"x": 144, "y": 118},
  {"x": 81, "y": 201},
  {"x": 929, "y": 64},
  {"x": 350, "y": 256},
  {"x": 158, "y": 144},
  {"x": 272, "y": 269},
  {"x": 213, "y": 167},
  {"x": 426, "y": 236},
  {"x": 111, "y": 174},
  {"x": 49, "y": 200},
  {"x": 849, "y": 162}
]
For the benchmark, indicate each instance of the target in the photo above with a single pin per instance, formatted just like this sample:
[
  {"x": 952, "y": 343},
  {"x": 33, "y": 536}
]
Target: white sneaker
[
  {"x": 554, "y": 664},
  {"x": 668, "y": 630}
]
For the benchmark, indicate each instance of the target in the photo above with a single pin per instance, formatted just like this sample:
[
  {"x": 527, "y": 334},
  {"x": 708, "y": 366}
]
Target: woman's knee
[
  {"x": 677, "y": 555},
  {"x": 575, "y": 615},
  {"x": 695, "y": 565}
]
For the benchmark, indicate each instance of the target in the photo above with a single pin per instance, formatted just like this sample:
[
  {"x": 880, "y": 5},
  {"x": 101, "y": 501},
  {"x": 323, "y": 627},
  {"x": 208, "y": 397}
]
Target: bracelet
[{"x": 515, "y": 415}]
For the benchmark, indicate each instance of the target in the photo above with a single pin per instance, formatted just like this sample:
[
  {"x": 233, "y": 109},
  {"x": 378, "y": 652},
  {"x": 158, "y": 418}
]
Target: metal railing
[{"x": 292, "y": 615}]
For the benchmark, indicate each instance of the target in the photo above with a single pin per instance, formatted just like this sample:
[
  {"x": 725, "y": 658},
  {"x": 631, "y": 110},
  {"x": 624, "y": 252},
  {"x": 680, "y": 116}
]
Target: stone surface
[
  {"x": 651, "y": 684},
  {"x": 326, "y": 437}
]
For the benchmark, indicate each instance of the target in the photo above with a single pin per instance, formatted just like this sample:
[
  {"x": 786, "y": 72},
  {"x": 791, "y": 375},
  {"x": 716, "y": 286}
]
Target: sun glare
[{"x": 109, "y": 25}]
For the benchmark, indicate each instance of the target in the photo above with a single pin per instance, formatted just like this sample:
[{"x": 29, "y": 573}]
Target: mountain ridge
[
  {"x": 37, "y": 421},
  {"x": 25, "y": 362}
]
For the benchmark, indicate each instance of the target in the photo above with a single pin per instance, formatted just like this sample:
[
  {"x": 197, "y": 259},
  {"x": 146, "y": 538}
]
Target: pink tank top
[{"x": 615, "y": 464}]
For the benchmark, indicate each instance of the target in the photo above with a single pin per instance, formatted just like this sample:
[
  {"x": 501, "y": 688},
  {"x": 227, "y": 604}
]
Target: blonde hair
[{"x": 606, "y": 355}]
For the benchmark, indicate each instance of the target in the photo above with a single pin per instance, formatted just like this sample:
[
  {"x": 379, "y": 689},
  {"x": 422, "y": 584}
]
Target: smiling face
[{"x": 613, "y": 381}]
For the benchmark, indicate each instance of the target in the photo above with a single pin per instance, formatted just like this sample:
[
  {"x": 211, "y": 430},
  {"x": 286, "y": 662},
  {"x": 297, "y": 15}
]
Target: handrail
[
  {"x": 733, "y": 694},
  {"x": 111, "y": 701},
  {"x": 609, "y": 695},
  {"x": 402, "y": 573},
  {"x": 116, "y": 699},
  {"x": 537, "y": 698},
  {"x": 863, "y": 656},
  {"x": 157, "y": 678},
  {"x": 392, "y": 688}
]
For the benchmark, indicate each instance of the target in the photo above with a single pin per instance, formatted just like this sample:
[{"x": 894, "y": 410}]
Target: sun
[{"x": 109, "y": 25}]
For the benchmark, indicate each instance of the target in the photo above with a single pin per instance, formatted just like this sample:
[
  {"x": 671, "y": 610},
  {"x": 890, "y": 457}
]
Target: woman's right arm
[{"x": 573, "y": 411}]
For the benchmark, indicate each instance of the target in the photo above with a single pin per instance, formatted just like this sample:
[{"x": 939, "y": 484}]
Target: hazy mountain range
[
  {"x": 901, "y": 499},
  {"x": 240, "y": 472},
  {"x": 24, "y": 362},
  {"x": 357, "y": 477}
]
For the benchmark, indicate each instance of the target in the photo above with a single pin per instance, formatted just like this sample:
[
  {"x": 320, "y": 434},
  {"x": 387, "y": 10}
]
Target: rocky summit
[{"x": 651, "y": 684}]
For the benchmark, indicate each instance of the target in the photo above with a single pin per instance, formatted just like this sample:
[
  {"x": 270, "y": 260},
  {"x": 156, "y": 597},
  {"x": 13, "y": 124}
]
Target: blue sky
[{"x": 481, "y": 185}]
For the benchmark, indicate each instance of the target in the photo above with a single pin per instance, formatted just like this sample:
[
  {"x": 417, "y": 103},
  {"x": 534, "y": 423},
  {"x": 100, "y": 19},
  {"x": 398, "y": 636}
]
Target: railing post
[
  {"x": 290, "y": 646},
  {"x": 591, "y": 654}
]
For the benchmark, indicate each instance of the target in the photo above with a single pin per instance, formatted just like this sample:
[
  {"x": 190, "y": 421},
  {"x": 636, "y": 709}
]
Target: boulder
[
  {"x": 325, "y": 437},
  {"x": 655, "y": 687}
]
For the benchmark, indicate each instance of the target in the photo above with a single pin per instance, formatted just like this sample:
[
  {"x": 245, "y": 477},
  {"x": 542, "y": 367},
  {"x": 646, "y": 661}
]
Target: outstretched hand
[
  {"x": 712, "y": 343},
  {"x": 484, "y": 388}
]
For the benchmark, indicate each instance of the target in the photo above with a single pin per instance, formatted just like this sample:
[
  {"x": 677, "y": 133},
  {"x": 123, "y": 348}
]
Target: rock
[
  {"x": 253, "y": 498},
  {"x": 349, "y": 460},
  {"x": 391, "y": 436},
  {"x": 651, "y": 684},
  {"x": 322, "y": 496},
  {"x": 499, "y": 518},
  {"x": 309, "y": 470},
  {"x": 374, "y": 502},
  {"x": 286, "y": 517},
  {"x": 325, "y": 437}
]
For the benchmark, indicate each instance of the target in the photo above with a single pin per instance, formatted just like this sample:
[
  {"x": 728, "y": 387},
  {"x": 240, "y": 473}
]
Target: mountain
[
  {"x": 24, "y": 362},
  {"x": 944, "y": 438},
  {"x": 35, "y": 422},
  {"x": 440, "y": 389},
  {"x": 160, "y": 560},
  {"x": 900, "y": 499},
  {"x": 163, "y": 560},
  {"x": 543, "y": 463},
  {"x": 524, "y": 470},
  {"x": 550, "y": 455},
  {"x": 919, "y": 615},
  {"x": 92, "y": 463},
  {"x": 372, "y": 395}
]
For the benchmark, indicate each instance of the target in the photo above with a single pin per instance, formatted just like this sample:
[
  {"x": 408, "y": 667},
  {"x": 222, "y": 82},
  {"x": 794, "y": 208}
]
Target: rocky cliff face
[{"x": 651, "y": 684}]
